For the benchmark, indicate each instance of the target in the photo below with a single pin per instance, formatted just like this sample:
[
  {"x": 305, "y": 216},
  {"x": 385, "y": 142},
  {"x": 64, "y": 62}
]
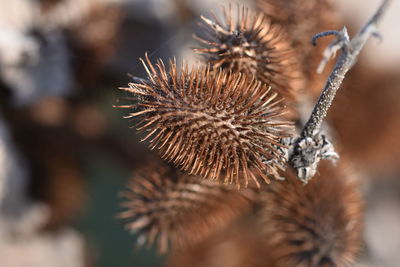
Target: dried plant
[
  {"x": 251, "y": 44},
  {"x": 294, "y": 225},
  {"x": 170, "y": 208},
  {"x": 312, "y": 145},
  {"x": 225, "y": 122},
  {"x": 315, "y": 225},
  {"x": 216, "y": 124}
]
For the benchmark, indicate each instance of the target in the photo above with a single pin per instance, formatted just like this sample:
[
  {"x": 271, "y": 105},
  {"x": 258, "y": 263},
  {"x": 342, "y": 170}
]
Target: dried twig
[{"x": 312, "y": 145}]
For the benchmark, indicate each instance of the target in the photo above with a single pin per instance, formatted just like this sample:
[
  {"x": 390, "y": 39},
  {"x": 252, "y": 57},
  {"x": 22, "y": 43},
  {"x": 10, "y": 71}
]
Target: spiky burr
[
  {"x": 172, "y": 209},
  {"x": 373, "y": 143},
  {"x": 250, "y": 43},
  {"x": 239, "y": 245},
  {"x": 216, "y": 124},
  {"x": 315, "y": 225}
]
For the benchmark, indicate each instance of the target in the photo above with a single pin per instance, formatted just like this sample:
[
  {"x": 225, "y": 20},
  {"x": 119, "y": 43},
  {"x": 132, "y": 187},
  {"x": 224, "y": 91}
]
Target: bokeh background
[{"x": 65, "y": 152}]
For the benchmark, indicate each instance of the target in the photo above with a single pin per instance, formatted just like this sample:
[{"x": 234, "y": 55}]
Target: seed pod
[
  {"x": 170, "y": 208},
  {"x": 319, "y": 224},
  {"x": 253, "y": 45},
  {"x": 216, "y": 124}
]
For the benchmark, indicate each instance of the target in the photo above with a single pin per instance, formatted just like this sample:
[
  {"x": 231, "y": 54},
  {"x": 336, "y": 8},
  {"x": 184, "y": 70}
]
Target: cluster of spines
[
  {"x": 301, "y": 19},
  {"x": 217, "y": 124},
  {"x": 172, "y": 209},
  {"x": 315, "y": 225},
  {"x": 253, "y": 45}
]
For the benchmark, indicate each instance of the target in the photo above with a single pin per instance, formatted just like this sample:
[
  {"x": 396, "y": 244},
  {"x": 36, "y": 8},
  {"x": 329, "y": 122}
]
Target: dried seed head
[
  {"x": 251, "y": 44},
  {"x": 314, "y": 225},
  {"x": 215, "y": 124},
  {"x": 170, "y": 208}
]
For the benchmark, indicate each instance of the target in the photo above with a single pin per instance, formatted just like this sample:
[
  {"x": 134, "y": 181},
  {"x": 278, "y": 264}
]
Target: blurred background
[{"x": 65, "y": 152}]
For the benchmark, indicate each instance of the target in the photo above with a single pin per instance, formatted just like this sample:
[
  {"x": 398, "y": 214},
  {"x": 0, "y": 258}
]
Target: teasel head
[
  {"x": 174, "y": 210},
  {"x": 251, "y": 44},
  {"x": 216, "y": 124},
  {"x": 319, "y": 224}
]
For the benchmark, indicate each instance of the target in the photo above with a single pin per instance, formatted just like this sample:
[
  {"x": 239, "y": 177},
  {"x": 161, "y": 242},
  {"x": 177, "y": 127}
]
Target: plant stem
[{"x": 312, "y": 145}]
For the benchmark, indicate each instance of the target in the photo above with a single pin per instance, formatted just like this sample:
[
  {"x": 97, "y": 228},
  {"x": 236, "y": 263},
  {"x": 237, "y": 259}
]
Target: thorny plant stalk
[{"x": 312, "y": 145}]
